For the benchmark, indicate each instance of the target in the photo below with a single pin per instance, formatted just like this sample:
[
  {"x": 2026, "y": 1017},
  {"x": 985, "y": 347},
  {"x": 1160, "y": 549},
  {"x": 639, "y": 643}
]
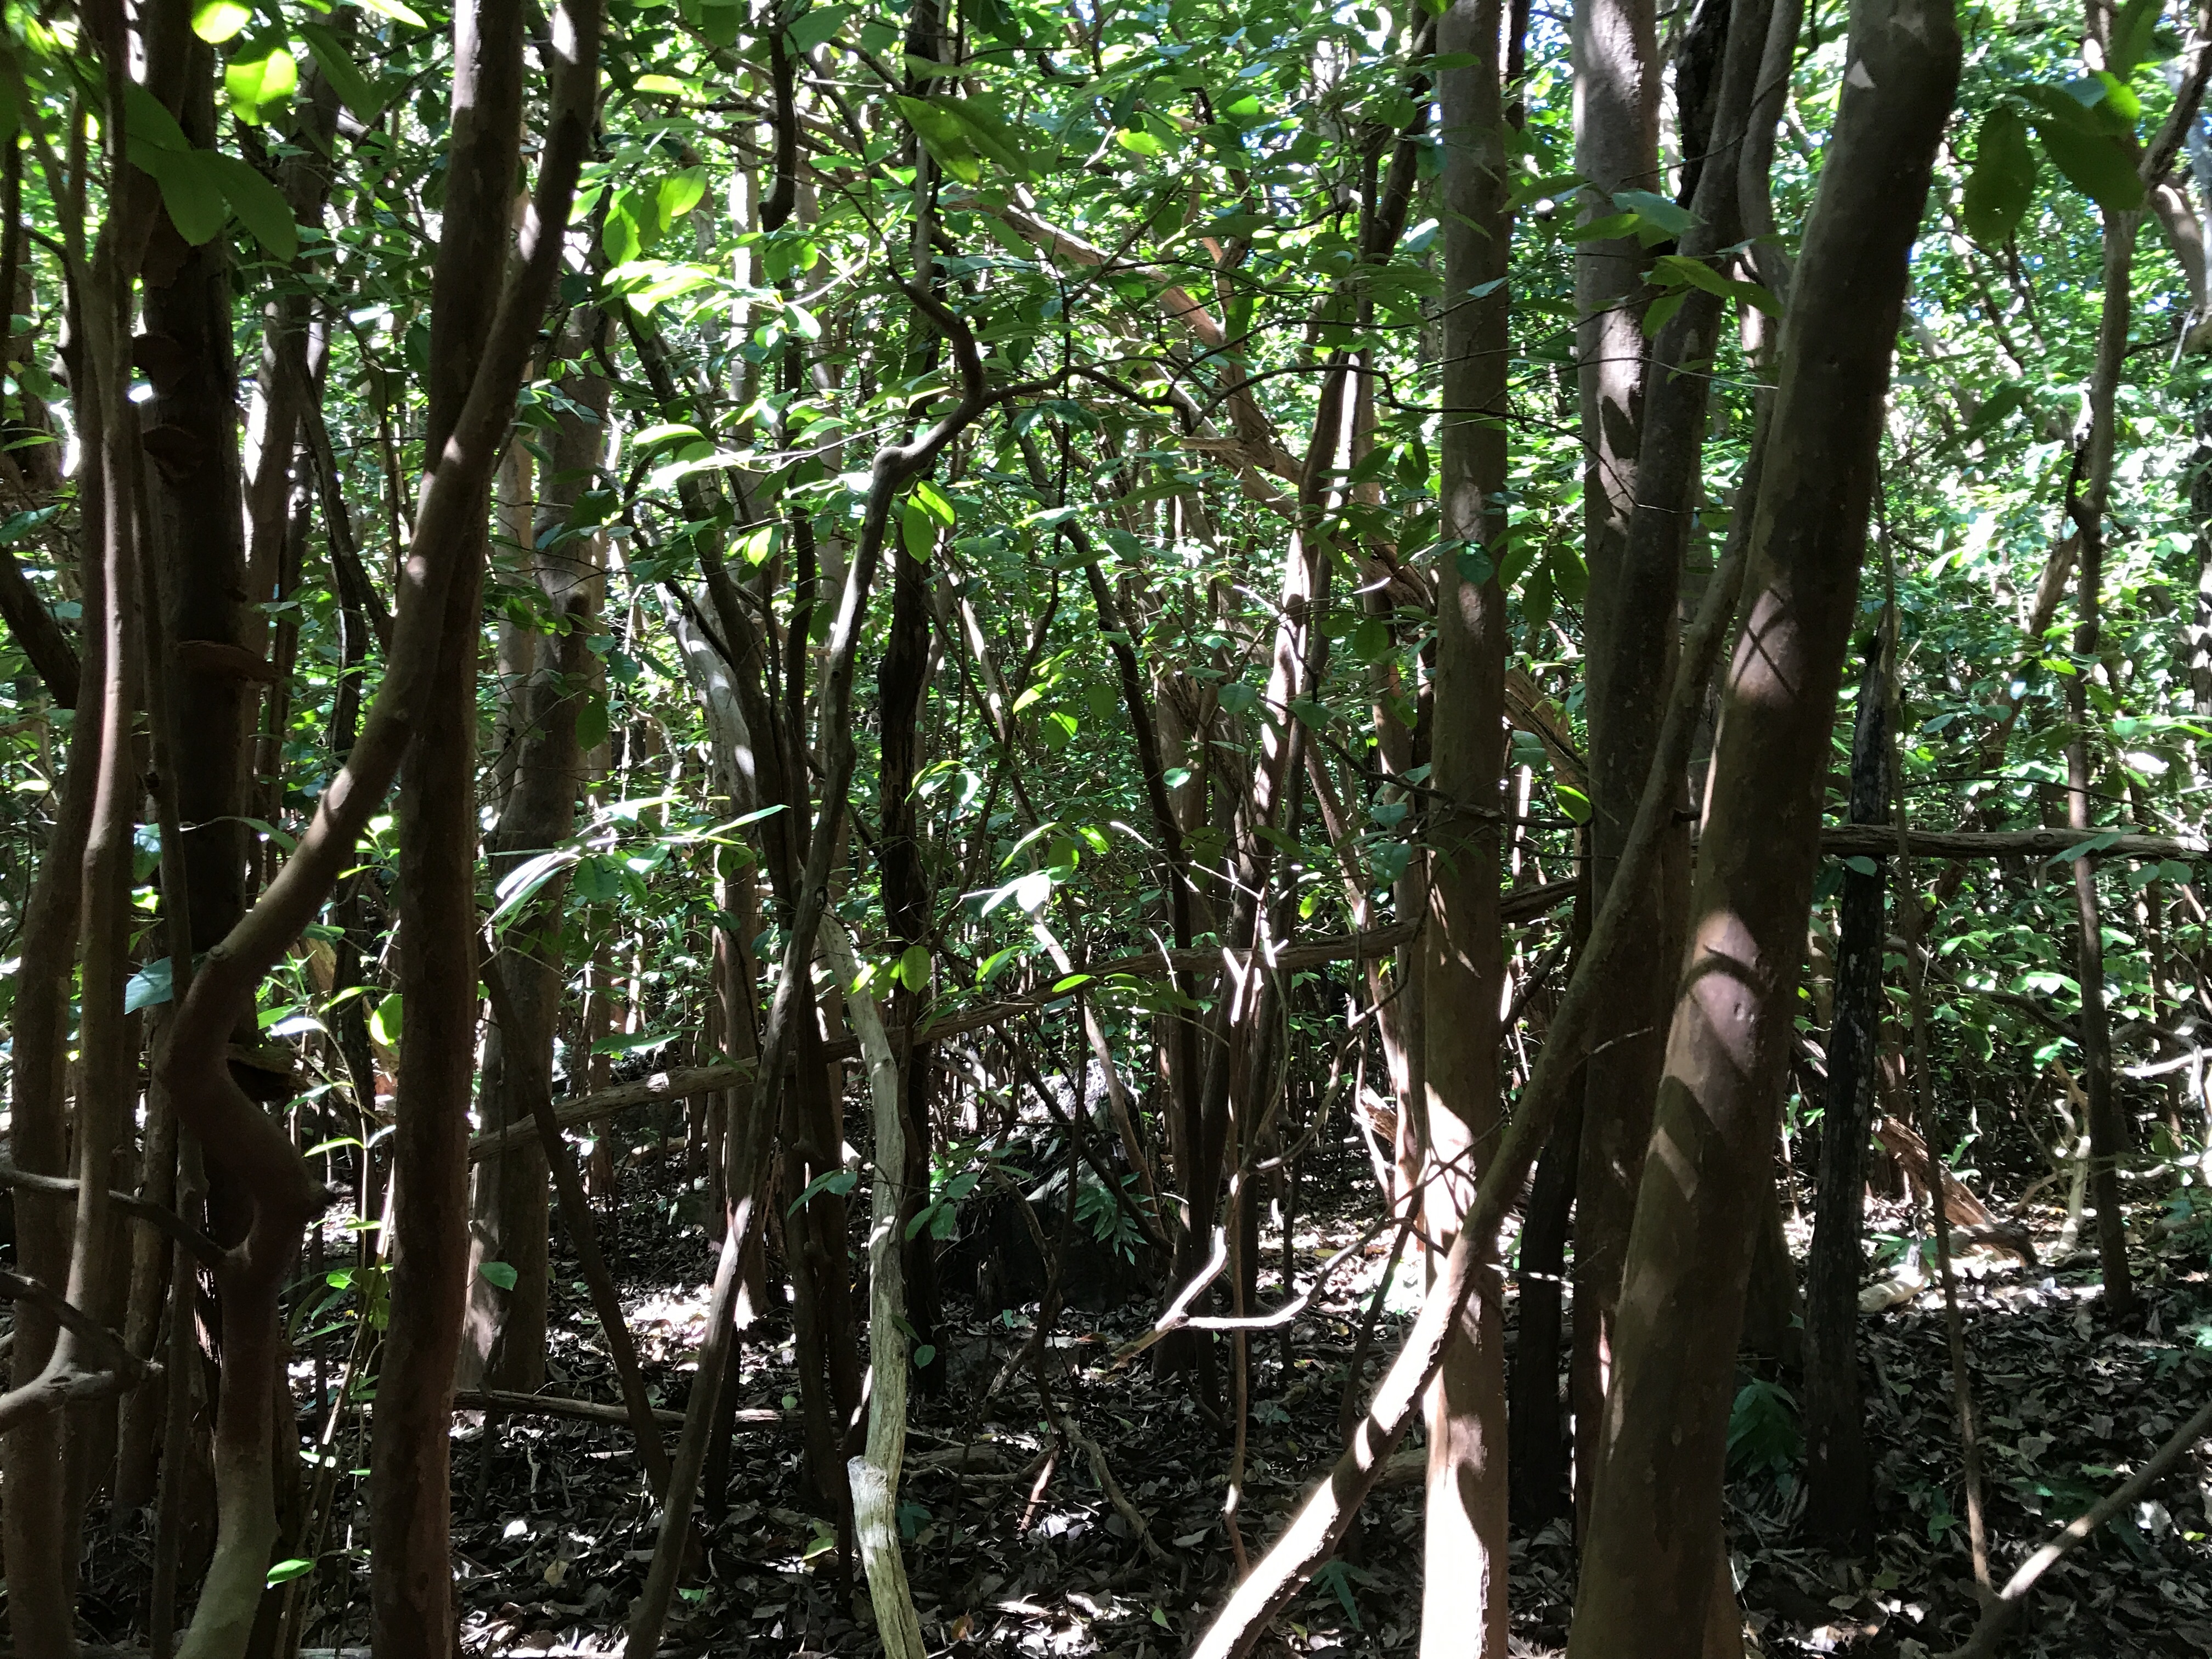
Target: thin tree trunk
[
  {"x": 875, "y": 1475},
  {"x": 1838, "y": 1491},
  {"x": 2108, "y": 1132},
  {"x": 1463, "y": 1605},
  {"x": 1651, "y": 1560},
  {"x": 539, "y": 812},
  {"x": 1615, "y": 56},
  {"x": 411, "y": 1582},
  {"x": 1632, "y": 642}
]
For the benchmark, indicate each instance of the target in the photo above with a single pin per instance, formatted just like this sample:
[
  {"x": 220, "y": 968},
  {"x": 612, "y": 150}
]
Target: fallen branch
[{"x": 1998, "y": 1616}]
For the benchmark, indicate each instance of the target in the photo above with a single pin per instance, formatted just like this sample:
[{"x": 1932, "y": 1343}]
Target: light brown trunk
[
  {"x": 1650, "y": 1561},
  {"x": 411, "y": 1582},
  {"x": 1463, "y": 1605}
]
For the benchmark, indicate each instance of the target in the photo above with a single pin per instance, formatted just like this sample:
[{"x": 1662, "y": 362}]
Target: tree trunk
[
  {"x": 1464, "y": 1604},
  {"x": 510, "y": 1199},
  {"x": 2108, "y": 1131},
  {"x": 1652, "y": 1557},
  {"x": 1635, "y": 596},
  {"x": 1536, "y": 1424},
  {"x": 901, "y": 685},
  {"x": 1838, "y": 1496},
  {"x": 409, "y": 1523}
]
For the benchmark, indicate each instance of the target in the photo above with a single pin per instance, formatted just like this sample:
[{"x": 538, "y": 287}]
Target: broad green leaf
[
  {"x": 945, "y": 136},
  {"x": 839, "y": 1181},
  {"x": 150, "y": 987},
  {"x": 2132, "y": 33},
  {"x": 216, "y": 20},
  {"x": 620, "y": 235},
  {"x": 1139, "y": 144},
  {"x": 917, "y": 532},
  {"x": 384, "y": 1023},
  {"x": 283, "y": 1572},
  {"x": 681, "y": 193},
  {"x": 501, "y": 1273},
  {"x": 398, "y": 10},
  {"x": 259, "y": 205},
  {"x": 146, "y": 120},
  {"x": 913, "y": 969},
  {"x": 354, "y": 90},
  {"x": 817, "y": 25},
  {"x": 1662, "y": 214},
  {"x": 935, "y": 504},
  {"x": 987, "y": 129},
  {"x": 2003, "y": 184},
  {"x": 252, "y": 82},
  {"x": 192, "y": 190},
  {"x": 2099, "y": 165},
  {"x": 664, "y": 83},
  {"x": 592, "y": 722}
]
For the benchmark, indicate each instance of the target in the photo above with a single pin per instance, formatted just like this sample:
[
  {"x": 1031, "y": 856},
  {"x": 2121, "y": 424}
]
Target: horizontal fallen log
[
  {"x": 584, "y": 1411},
  {"x": 579, "y": 1110},
  {"x": 1878, "y": 840}
]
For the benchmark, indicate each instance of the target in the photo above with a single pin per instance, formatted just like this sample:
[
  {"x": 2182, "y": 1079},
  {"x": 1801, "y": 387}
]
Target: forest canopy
[{"x": 957, "y": 827}]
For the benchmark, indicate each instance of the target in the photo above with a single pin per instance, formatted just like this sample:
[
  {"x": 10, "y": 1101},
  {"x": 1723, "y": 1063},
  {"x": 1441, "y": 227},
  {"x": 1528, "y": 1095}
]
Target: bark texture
[
  {"x": 1839, "y": 1504},
  {"x": 1650, "y": 1561},
  {"x": 409, "y": 1527},
  {"x": 1463, "y": 1603}
]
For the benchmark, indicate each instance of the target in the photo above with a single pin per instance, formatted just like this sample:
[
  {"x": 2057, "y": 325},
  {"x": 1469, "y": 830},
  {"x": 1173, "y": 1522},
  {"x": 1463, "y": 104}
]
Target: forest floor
[{"x": 553, "y": 1531}]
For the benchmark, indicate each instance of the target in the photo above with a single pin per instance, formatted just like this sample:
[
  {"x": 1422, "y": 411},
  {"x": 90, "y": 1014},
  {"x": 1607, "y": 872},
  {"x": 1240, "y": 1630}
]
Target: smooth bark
[
  {"x": 1839, "y": 1500},
  {"x": 1650, "y": 1561},
  {"x": 1463, "y": 1597}
]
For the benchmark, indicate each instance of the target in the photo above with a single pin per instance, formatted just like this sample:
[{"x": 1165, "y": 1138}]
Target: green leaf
[
  {"x": 146, "y": 120},
  {"x": 1660, "y": 214},
  {"x": 2095, "y": 843},
  {"x": 680, "y": 193},
  {"x": 2003, "y": 184},
  {"x": 1371, "y": 640},
  {"x": 384, "y": 1024},
  {"x": 938, "y": 508},
  {"x": 192, "y": 190},
  {"x": 913, "y": 969},
  {"x": 944, "y": 135},
  {"x": 924, "y": 1354},
  {"x": 501, "y": 1273},
  {"x": 283, "y": 1572},
  {"x": 398, "y": 10},
  {"x": 987, "y": 129},
  {"x": 1657, "y": 313},
  {"x": 1139, "y": 144},
  {"x": 817, "y": 25},
  {"x": 2097, "y": 165},
  {"x": 1862, "y": 865},
  {"x": 593, "y": 721},
  {"x": 150, "y": 987},
  {"x": 216, "y": 20},
  {"x": 354, "y": 90},
  {"x": 838, "y": 1182},
  {"x": 260, "y": 206},
  {"x": 252, "y": 82},
  {"x": 2132, "y": 33},
  {"x": 917, "y": 532}
]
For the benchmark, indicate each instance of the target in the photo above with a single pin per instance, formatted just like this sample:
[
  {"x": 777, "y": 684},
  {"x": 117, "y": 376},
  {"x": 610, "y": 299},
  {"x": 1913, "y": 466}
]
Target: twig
[{"x": 1998, "y": 1615}]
